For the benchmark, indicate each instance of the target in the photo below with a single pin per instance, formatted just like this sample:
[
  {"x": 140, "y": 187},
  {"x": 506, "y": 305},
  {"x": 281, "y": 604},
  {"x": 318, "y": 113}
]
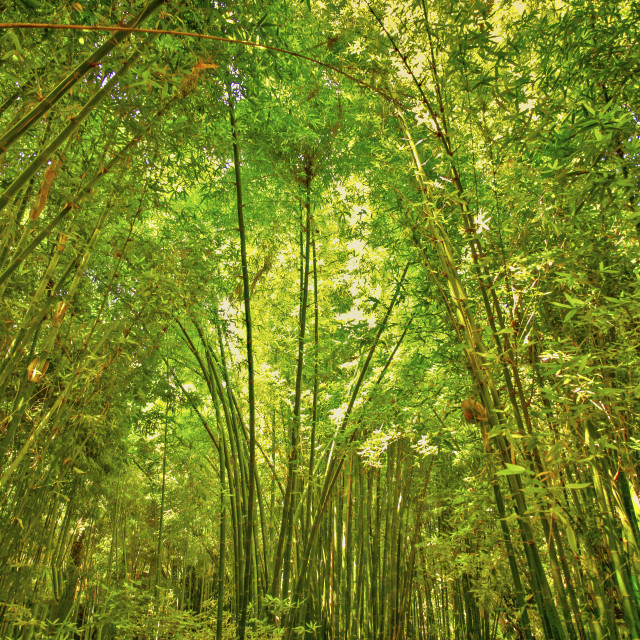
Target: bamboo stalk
[
  {"x": 10, "y": 136},
  {"x": 250, "y": 370}
]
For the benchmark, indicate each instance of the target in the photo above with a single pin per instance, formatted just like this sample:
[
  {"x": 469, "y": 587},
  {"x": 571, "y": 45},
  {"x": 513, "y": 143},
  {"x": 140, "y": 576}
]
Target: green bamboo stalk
[
  {"x": 474, "y": 351},
  {"x": 250, "y": 371},
  {"x": 384, "y": 630},
  {"x": 222, "y": 534},
  {"x": 158, "y": 571},
  {"x": 80, "y": 195},
  {"x": 334, "y": 467},
  {"x": 338, "y": 530},
  {"x": 261, "y": 560},
  {"x": 356, "y": 626},
  {"x": 27, "y": 387},
  {"x": 286, "y": 532},
  {"x": 52, "y": 414},
  {"x": 558, "y": 582},
  {"x": 10, "y": 225},
  {"x": 629, "y": 605},
  {"x": 348, "y": 616},
  {"x": 10, "y": 136},
  {"x": 314, "y": 401},
  {"x": 409, "y": 571},
  {"x": 569, "y": 581},
  {"x": 235, "y": 475},
  {"x": 513, "y": 565},
  {"x": 374, "y": 521},
  {"x": 70, "y": 129},
  {"x": 39, "y": 305}
]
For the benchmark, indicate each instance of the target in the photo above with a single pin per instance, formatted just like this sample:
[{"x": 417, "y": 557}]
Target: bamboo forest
[{"x": 320, "y": 319}]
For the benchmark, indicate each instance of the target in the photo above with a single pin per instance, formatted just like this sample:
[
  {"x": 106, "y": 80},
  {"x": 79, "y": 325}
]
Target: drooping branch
[{"x": 203, "y": 36}]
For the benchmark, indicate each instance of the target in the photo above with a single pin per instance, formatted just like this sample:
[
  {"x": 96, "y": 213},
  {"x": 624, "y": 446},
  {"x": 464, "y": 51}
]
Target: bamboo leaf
[
  {"x": 511, "y": 469},
  {"x": 577, "y": 485}
]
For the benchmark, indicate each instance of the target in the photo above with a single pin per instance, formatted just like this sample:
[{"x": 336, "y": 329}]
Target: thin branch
[{"x": 202, "y": 36}]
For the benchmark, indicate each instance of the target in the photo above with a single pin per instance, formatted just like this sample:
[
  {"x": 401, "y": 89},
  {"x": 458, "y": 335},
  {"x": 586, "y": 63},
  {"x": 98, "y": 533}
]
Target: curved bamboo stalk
[
  {"x": 14, "y": 133},
  {"x": 79, "y": 197},
  {"x": 68, "y": 131}
]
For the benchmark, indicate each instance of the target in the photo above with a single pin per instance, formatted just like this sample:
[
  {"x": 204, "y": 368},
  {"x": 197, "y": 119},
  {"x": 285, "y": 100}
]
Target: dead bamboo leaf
[
  {"x": 206, "y": 65},
  {"x": 61, "y": 310},
  {"x": 62, "y": 240},
  {"x": 36, "y": 370},
  {"x": 43, "y": 195}
]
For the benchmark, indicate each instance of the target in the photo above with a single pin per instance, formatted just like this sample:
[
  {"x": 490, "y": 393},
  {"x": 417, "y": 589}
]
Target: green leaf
[
  {"x": 577, "y": 485},
  {"x": 571, "y": 536},
  {"x": 511, "y": 470}
]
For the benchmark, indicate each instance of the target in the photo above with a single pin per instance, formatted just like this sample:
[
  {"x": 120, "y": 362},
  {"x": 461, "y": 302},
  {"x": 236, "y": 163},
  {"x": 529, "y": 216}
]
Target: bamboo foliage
[{"x": 338, "y": 350}]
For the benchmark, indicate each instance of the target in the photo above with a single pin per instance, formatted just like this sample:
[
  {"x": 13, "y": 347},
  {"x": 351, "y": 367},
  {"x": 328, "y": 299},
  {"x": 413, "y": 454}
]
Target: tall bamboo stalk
[
  {"x": 248, "y": 546},
  {"x": 10, "y": 136}
]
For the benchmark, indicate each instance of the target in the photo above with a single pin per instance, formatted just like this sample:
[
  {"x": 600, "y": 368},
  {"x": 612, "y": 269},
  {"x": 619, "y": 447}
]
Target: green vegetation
[{"x": 320, "y": 320}]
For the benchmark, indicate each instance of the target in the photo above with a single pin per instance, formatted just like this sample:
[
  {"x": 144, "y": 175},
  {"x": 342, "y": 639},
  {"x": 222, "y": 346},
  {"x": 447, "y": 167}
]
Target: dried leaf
[
  {"x": 61, "y": 310},
  {"x": 62, "y": 240},
  {"x": 480, "y": 412},
  {"x": 43, "y": 194},
  {"x": 36, "y": 370}
]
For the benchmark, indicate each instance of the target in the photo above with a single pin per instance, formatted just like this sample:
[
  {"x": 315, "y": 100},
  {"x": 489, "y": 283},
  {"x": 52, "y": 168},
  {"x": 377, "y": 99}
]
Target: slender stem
[
  {"x": 335, "y": 466},
  {"x": 248, "y": 546},
  {"x": 164, "y": 485}
]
